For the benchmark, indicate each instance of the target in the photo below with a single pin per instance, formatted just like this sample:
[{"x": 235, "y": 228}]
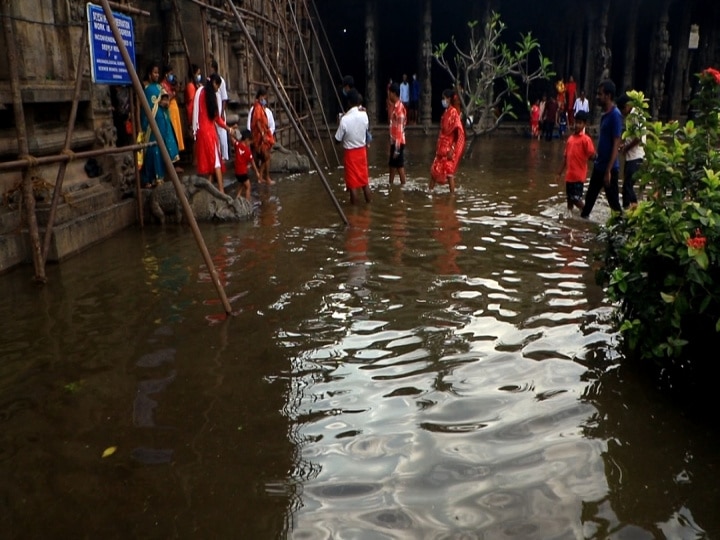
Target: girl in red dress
[
  {"x": 207, "y": 145},
  {"x": 450, "y": 144}
]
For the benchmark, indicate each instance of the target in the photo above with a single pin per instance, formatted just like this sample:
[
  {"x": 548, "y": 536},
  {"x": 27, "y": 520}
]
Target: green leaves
[
  {"x": 662, "y": 260},
  {"x": 489, "y": 72}
]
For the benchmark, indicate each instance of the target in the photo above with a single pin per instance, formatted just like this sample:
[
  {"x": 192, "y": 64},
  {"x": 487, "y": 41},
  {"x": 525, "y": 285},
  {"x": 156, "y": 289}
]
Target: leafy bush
[{"x": 662, "y": 259}]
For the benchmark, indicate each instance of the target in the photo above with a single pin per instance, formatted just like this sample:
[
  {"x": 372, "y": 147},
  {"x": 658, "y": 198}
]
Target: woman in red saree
[
  {"x": 207, "y": 145},
  {"x": 262, "y": 136},
  {"x": 450, "y": 144}
]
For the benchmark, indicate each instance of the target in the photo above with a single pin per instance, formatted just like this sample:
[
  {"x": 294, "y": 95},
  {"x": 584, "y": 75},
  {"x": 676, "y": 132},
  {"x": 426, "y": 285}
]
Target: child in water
[
  {"x": 562, "y": 121},
  {"x": 579, "y": 149},
  {"x": 243, "y": 157}
]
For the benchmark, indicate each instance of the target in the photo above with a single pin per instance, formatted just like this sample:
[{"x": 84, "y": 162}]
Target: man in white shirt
[
  {"x": 581, "y": 103},
  {"x": 633, "y": 149},
  {"x": 222, "y": 97},
  {"x": 405, "y": 92},
  {"x": 352, "y": 133}
]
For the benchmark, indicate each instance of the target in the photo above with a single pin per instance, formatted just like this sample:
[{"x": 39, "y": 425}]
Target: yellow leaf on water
[{"x": 109, "y": 451}]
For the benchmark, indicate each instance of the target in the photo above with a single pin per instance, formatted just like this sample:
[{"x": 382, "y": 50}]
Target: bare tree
[{"x": 488, "y": 74}]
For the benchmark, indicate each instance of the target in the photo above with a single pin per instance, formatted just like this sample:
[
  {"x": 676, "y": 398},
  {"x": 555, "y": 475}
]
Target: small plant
[
  {"x": 662, "y": 259},
  {"x": 487, "y": 71}
]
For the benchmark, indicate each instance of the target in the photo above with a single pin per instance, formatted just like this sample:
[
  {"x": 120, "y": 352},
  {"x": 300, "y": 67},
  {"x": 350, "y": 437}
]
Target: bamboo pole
[
  {"x": 135, "y": 130},
  {"x": 24, "y": 163},
  {"x": 165, "y": 155},
  {"x": 294, "y": 123},
  {"x": 27, "y": 187},
  {"x": 300, "y": 82},
  {"x": 68, "y": 145},
  {"x": 327, "y": 40},
  {"x": 322, "y": 55},
  {"x": 128, "y": 9},
  {"x": 317, "y": 92},
  {"x": 182, "y": 34}
]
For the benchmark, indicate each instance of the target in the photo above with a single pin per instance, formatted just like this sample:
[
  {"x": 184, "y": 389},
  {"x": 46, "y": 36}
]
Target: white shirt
[
  {"x": 353, "y": 128},
  {"x": 637, "y": 151},
  {"x": 222, "y": 96},
  {"x": 581, "y": 105},
  {"x": 404, "y": 92}
]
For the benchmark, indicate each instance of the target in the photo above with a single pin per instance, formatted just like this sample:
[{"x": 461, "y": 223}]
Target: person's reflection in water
[
  {"x": 447, "y": 232},
  {"x": 356, "y": 247},
  {"x": 533, "y": 161},
  {"x": 398, "y": 228}
]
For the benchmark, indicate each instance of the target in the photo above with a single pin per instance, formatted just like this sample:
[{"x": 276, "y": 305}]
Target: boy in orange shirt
[
  {"x": 579, "y": 149},
  {"x": 243, "y": 157}
]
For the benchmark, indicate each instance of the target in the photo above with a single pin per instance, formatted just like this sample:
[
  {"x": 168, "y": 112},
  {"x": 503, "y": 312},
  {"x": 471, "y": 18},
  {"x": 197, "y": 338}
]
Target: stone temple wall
[{"x": 47, "y": 35}]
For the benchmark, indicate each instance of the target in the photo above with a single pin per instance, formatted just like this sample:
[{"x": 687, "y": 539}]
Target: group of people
[
  {"x": 557, "y": 111},
  {"x": 353, "y": 134},
  {"x": 579, "y": 149},
  {"x": 409, "y": 97},
  {"x": 205, "y": 104}
]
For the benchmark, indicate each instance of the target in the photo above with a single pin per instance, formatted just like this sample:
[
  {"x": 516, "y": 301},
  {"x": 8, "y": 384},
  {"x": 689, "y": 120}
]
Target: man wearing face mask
[
  {"x": 169, "y": 84},
  {"x": 262, "y": 136}
]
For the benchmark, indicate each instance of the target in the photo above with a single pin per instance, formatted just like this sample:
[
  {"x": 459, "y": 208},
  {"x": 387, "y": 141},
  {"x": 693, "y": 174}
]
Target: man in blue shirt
[{"x": 607, "y": 166}]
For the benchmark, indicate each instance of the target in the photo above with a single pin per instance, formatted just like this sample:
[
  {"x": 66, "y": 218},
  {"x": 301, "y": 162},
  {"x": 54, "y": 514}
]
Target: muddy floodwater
[{"x": 443, "y": 368}]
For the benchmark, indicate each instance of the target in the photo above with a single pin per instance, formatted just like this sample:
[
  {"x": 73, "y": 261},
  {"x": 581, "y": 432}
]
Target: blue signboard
[{"x": 105, "y": 58}]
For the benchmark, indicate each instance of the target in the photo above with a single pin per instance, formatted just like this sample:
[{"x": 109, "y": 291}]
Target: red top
[
  {"x": 262, "y": 137},
  {"x": 243, "y": 157},
  {"x": 398, "y": 120},
  {"x": 578, "y": 150},
  {"x": 190, "y": 90},
  {"x": 207, "y": 145}
]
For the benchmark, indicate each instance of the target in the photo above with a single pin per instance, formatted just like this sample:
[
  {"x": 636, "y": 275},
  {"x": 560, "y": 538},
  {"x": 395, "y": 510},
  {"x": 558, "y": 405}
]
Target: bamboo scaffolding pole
[
  {"x": 134, "y": 107},
  {"x": 18, "y": 110},
  {"x": 294, "y": 123},
  {"x": 24, "y": 163},
  {"x": 322, "y": 55},
  {"x": 166, "y": 156},
  {"x": 128, "y": 9},
  {"x": 67, "y": 147},
  {"x": 327, "y": 40},
  {"x": 300, "y": 82},
  {"x": 312, "y": 78},
  {"x": 178, "y": 22},
  {"x": 227, "y": 13}
]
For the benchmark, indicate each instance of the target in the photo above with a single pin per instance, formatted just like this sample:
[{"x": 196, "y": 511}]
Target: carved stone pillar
[
  {"x": 426, "y": 69},
  {"x": 591, "y": 48},
  {"x": 371, "y": 60},
  {"x": 578, "y": 50},
  {"x": 239, "y": 50},
  {"x": 631, "y": 24},
  {"x": 660, "y": 52},
  {"x": 679, "y": 87}
]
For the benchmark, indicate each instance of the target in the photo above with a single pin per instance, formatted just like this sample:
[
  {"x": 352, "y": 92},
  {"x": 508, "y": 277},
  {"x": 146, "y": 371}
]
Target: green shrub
[{"x": 662, "y": 259}]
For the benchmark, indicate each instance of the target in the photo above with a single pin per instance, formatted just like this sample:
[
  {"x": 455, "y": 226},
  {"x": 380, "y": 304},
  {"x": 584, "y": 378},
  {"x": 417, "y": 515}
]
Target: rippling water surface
[{"x": 444, "y": 367}]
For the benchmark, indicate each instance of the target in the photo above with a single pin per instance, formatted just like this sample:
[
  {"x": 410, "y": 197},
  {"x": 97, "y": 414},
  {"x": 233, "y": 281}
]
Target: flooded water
[{"x": 445, "y": 367}]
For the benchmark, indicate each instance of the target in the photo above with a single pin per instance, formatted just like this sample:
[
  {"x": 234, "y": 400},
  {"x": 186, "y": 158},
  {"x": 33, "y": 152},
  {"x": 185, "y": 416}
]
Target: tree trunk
[
  {"x": 680, "y": 65},
  {"x": 631, "y": 24},
  {"x": 371, "y": 60},
  {"x": 426, "y": 71},
  {"x": 660, "y": 52}
]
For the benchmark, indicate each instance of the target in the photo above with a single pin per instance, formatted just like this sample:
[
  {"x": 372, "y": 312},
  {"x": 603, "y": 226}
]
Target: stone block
[{"x": 78, "y": 234}]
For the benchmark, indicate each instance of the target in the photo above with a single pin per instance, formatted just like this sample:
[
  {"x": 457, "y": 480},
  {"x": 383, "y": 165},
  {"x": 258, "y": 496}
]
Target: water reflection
[{"x": 444, "y": 367}]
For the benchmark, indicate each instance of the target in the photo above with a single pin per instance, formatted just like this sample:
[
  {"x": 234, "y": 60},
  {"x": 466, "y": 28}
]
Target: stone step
[
  {"x": 72, "y": 235},
  {"x": 75, "y": 204}
]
